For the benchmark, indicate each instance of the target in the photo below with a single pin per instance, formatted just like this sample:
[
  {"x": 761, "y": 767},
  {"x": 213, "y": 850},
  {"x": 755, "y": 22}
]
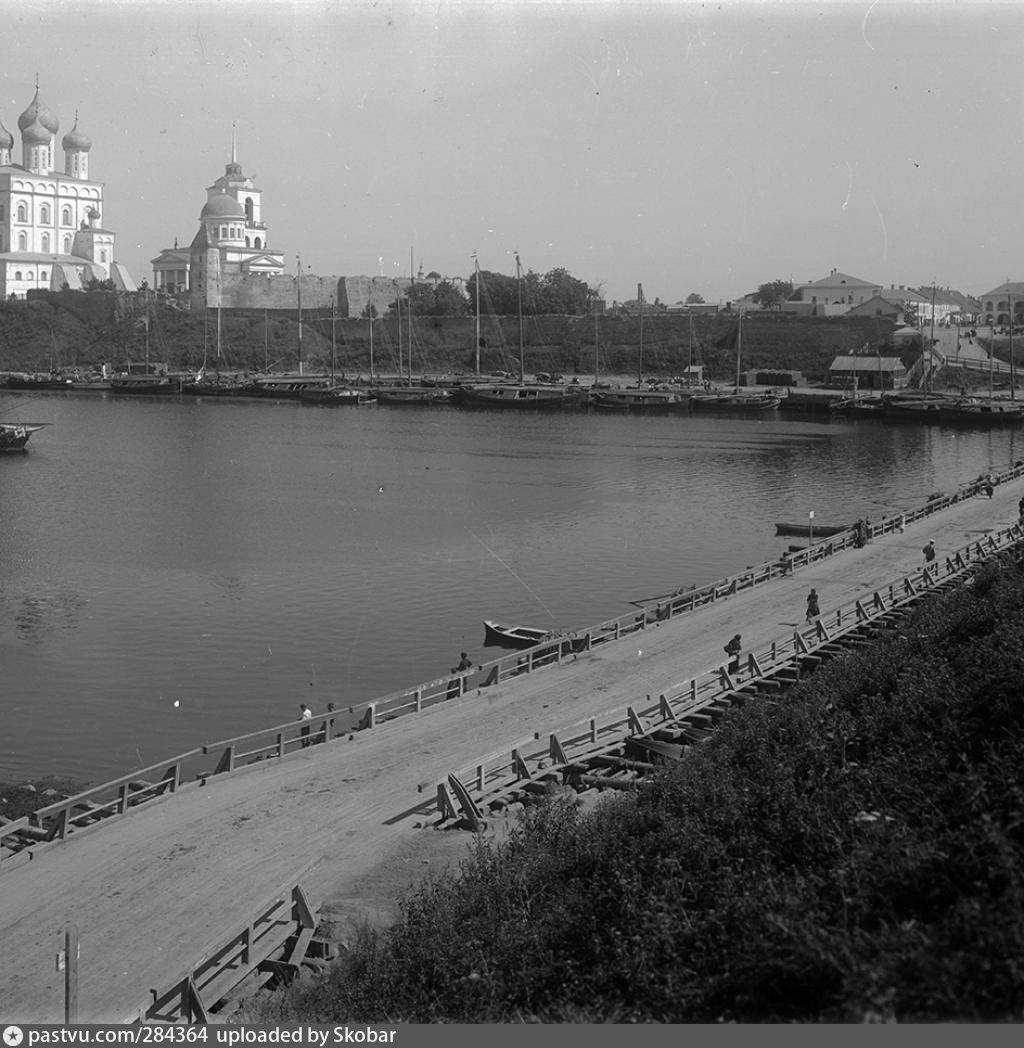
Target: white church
[
  {"x": 231, "y": 242},
  {"x": 51, "y": 222}
]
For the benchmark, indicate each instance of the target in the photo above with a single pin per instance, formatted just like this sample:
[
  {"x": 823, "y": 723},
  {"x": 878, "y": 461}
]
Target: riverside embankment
[
  {"x": 84, "y": 329},
  {"x": 147, "y": 891}
]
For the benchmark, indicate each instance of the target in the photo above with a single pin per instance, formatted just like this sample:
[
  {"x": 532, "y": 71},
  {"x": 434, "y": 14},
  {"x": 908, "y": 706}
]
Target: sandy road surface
[{"x": 149, "y": 891}]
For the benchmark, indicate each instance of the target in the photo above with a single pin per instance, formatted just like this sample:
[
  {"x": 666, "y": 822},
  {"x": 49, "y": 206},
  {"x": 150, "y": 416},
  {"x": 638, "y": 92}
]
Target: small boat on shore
[
  {"x": 15, "y": 435},
  {"x": 514, "y": 636},
  {"x": 823, "y": 531}
]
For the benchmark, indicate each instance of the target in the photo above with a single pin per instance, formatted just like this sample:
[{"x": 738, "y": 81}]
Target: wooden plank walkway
[{"x": 147, "y": 891}]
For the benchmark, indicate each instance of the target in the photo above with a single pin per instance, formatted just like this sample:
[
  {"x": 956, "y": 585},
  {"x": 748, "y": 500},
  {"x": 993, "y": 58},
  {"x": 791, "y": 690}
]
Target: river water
[{"x": 177, "y": 571}]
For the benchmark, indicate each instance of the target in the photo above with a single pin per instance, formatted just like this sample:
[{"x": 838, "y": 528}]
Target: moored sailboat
[
  {"x": 737, "y": 402},
  {"x": 521, "y": 394}
]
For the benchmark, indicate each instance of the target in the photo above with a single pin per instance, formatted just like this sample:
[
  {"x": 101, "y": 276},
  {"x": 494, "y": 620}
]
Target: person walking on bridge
[
  {"x": 733, "y": 649},
  {"x": 813, "y": 611},
  {"x": 929, "y": 551}
]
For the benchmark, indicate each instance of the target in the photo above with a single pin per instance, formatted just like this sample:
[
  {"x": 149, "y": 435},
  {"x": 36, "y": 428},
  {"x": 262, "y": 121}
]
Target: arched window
[
  {"x": 17, "y": 274},
  {"x": 65, "y": 216},
  {"x": 248, "y": 209},
  {"x": 22, "y": 242},
  {"x": 66, "y": 245},
  {"x": 44, "y": 214},
  {"x": 247, "y": 244},
  {"x": 46, "y": 243},
  {"x": 258, "y": 243},
  {"x": 22, "y": 213},
  {"x": 42, "y": 274},
  {"x": 103, "y": 256}
]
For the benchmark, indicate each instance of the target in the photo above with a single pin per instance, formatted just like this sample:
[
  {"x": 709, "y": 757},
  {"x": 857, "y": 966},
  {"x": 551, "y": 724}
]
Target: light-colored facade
[
  {"x": 231, "y": 242},
  {"x": 1001, "y": 302},
  {"x": 837, "y": 293},
  {"x": 51, "y": 232}
]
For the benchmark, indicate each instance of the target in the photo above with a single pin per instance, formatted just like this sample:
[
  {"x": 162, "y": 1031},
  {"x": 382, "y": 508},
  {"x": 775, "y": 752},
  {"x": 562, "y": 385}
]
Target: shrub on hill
[{"x": 853, "y": 853}]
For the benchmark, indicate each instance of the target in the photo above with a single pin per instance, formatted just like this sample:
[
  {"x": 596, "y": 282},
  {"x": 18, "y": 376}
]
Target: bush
[{"x": 854, "y": 853}]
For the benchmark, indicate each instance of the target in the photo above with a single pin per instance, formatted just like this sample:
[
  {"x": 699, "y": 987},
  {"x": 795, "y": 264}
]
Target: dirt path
[{"x": 150, "y": 891}]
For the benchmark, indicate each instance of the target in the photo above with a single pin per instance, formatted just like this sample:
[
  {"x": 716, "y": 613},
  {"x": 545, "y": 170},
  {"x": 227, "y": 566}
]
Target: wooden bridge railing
[
  {"x": 99, "y": 803},
  {"x": 505, "y": 770}
]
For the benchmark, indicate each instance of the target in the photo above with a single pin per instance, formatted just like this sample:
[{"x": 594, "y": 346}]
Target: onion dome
[
  {"x": 6, "y": 138},
  {"x": 35, "y": 134},
  {"x": 37, "y": 111},
  {"x": 76, "y": 141},
  {"x": 222, "y": 205}
]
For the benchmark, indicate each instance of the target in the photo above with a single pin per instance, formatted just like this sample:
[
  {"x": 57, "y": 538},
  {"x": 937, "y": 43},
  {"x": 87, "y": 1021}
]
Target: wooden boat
[
  {"x": 336, "y": 396},
  {"x": 15, "y": 435},
  {"x": 867, "y": 405},
  {"x": 514, "y": 636},
  {"x": 637, "y": 400},
  {"x": 515, "y": 395},
  {"x": 286, "y": 387},
  {"x": 145, "y": 384},
  {"x": 37, "y": 382},
  {"x": 823, "y": 531},
  {"x": 913, "y": 406},
  {"x": 521, "y": 395},
  {"x": 430, "y": 395},
  {"x": 971, "y": 411},
  {"x": 735, "y": 403}
]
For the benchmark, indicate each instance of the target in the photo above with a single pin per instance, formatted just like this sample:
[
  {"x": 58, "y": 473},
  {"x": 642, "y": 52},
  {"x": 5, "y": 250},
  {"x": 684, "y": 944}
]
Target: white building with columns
[
  {"x": 51, "y": 222},
  {"x": 231, "y": 241}
]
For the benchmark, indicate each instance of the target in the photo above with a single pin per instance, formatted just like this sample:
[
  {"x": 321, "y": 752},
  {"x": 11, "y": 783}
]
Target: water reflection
[{"x": 240, "y": 557}]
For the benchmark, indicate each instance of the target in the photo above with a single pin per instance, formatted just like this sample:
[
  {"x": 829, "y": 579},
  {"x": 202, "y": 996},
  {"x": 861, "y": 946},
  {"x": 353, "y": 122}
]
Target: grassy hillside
[
  {"x": 854, "y": 853},
  {"x": 75, "y": 329}
]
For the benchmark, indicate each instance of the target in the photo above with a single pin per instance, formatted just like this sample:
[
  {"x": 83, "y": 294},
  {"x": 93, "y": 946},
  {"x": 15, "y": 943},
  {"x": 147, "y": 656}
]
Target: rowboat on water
[
  {"x": 514, "y": 636},
  {"x": 804, "y": 530},
  {"x": 15, "y": 435}
]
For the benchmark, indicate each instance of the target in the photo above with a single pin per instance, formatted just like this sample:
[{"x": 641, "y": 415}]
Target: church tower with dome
[
  {"x": 51, "y": 229},
  {"x": 230, "y": 248}
]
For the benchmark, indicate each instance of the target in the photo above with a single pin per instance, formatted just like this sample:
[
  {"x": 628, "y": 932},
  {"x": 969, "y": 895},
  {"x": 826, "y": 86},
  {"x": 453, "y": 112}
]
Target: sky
[{"x": 687, "y": 147}]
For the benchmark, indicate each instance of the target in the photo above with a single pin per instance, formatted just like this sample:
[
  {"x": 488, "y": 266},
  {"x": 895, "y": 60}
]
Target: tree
[
  {"x": 773, "y": 294},
  {"x": 369, "y": 312},
  {"x": 557, "y": 291},
  {"x": 693, "y": 299}
]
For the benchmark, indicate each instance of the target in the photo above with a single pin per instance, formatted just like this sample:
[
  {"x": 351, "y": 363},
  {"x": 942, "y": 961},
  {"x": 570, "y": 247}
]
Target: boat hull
[
  {"x": 735, "y": 403},
  {"x": 521, "y": 397},
  {"x": 637, "y": 401},
  {"x": 14, "y": 436},
  {"x": 823, "y": 531},
  {"x": 513, "y": 636}
]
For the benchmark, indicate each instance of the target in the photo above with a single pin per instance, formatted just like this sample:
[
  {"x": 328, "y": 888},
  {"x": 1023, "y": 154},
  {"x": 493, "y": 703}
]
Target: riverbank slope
[{"x": 151, "y": 890}]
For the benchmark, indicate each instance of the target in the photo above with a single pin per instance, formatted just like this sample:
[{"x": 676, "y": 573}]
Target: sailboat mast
[
  {"x": 739, "y": 343},
  {"x": 298, "y": 292},
  {"x": 476, "y": 282},
  {"x": 334, "y": 339},
  {"x": 597, "y": 331},
  {"x": 1013, "y": 373},
  {"x": 398, "y": 307},
  {"x": 640, "y": 365},
  {"x": 519, "y": 303},
  {"x": 689, "y": 351},
  {"x": 412, "y": 282},
  {"x": 931, "y": 345},
  {"x": 369, "y": 314}
]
